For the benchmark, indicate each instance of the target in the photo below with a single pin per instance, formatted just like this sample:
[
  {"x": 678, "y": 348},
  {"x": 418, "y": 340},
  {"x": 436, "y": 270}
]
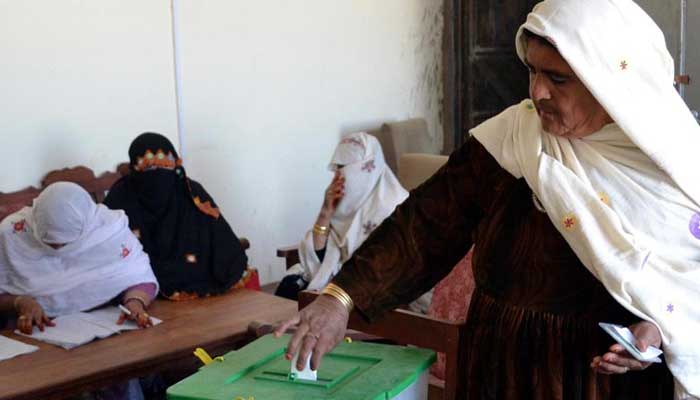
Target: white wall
[
  {"x": 692, "y": 93},
  {"x": 269, "y": 85},
  {"x": 667, "y": 13},
  {"x": 78, "y": 81}
]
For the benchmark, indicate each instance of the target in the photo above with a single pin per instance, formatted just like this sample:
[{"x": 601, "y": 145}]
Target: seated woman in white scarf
[
  {"x": 362, "y": 194},
  {"x": 66, "y": 254}
]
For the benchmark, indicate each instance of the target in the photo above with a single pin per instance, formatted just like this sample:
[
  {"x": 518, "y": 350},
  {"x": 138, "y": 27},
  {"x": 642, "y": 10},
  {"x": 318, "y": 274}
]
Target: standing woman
[
  {"x": 583, "y": 204},
  {"x": 193, "y": 251}
]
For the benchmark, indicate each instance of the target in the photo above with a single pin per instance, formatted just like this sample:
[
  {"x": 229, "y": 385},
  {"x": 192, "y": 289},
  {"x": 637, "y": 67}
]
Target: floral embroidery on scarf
[
  {"x": 368, "y": 227},
  {"x": 669, "y": 308},
  {"x": 368, "y": 166},
  {"x": 159, "y": 159},
  {"x": 125, "y": 252},
  {"x": 530, "y": 106},
  {"x": 19, "y": 226},
  {"x": 694, "y": 225},
  {"x": 569, "y": 222},
  {"x": 623, "y": 65},
  {"x": 355, "y": 141},
  {"x": 191, "y": 258},
  {"x": 206, "y": 207},
  {"x": 604, "y": 198}
]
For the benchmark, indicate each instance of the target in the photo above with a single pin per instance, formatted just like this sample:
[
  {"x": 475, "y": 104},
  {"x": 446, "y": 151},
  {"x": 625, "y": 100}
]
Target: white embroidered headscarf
[
  {"x": 372, "y": 192},
  {"x": 626, "y": 198},
  {"x": 100, "y": 259}
]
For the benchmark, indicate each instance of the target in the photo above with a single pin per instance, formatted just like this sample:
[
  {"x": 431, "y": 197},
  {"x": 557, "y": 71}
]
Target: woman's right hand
[
  {"x": 30, "y": 313},
  {"x": 334, "y": 193},
  {"x": 320, "y": 327}
]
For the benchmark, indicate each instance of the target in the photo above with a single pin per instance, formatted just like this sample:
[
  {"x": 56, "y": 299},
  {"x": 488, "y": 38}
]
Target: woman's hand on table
[
  {"x": 619, "y": 361},
  {"x": 30, "y": 313},
  {"x": 320, "y": 327},
  {"x": 137, "y": 314}
]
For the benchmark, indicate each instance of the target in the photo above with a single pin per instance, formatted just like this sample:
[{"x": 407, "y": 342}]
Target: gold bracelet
[
  {"x": 320, "y": 229},
  {"x": 341, "y": 295},
  {"x": 15, "y": 301},
  {"x": 137, "y": 298}
]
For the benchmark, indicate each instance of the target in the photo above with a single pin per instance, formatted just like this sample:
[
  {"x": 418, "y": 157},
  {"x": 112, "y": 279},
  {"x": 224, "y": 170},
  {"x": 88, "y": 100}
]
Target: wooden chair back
[
  {"x": 290, "y": 255},
  {"x": 83, "y": 176},
  {"x": 406, "y": 327}
]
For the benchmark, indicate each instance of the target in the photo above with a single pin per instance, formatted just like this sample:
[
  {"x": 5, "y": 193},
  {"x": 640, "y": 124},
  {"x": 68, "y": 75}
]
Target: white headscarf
[
  {"x": 372, "y": 192},
  {"x": 100, "y": 259},
  {"x": 624, "y": 198}
]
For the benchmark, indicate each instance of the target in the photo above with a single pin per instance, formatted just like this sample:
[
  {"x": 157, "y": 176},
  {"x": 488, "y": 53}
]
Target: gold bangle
[
  {"x": 137, "y": 298},
  {"x": 341, "y": 295},
  {"x": 15, "y": 301},
  {"x": 320, "y": 229}
]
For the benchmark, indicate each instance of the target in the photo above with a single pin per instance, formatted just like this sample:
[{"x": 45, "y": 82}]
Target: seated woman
[
  {"x": 192, "y": 248},
  {"x": 362, "y": 193},
  {"x": 66, "y": 254}
]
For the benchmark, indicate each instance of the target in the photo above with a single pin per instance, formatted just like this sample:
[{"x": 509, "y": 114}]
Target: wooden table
[{"x": 218, "y": 324}]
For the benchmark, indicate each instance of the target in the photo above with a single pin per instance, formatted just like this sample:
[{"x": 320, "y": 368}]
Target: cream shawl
[{"x": 626, "y": 198}]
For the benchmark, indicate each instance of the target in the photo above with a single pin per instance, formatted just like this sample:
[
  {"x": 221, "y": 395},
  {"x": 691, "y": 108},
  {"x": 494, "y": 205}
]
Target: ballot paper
[
  {"x": 78, "y": 329},
  {"x": 307, "y": 373},
  {"x": 624, "y": 336},
  {"x": 10, "y": 348}
]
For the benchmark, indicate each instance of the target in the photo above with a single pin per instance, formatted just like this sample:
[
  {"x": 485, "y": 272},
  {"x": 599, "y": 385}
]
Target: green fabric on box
[{"x": 351, "y": 371}]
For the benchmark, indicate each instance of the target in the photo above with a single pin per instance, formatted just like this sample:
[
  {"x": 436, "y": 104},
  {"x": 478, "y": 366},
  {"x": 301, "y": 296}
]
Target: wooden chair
[
  {"x": 408, "y": 136},
  {"x": 409, "y": 328}
]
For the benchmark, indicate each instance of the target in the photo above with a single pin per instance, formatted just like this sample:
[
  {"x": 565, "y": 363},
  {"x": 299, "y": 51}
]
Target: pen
[{"x": 127, "y": 312}]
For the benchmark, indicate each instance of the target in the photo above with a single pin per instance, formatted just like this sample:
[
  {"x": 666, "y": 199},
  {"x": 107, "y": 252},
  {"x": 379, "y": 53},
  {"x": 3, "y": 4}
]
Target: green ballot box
[{"x": 352, "y": 371}]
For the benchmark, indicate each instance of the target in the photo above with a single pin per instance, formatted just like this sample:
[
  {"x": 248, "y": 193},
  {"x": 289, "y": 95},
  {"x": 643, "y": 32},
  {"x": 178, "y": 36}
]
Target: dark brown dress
[{"x": 533, "y": 319}]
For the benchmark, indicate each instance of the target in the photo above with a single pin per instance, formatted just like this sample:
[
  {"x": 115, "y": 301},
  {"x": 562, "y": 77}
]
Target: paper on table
[
  {"x": 306, "y": 373},
  {"x": 12, "y": 348},
  {"x": 624, "y": 336},
  {"x": 77, "y": 329},
  {"x": 107, "y": 318}
]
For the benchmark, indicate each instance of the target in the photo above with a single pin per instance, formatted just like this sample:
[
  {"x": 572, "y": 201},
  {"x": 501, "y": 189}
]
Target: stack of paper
[
  {"x": 11, "y": 348},
  {"x": 77, "y": 329}
]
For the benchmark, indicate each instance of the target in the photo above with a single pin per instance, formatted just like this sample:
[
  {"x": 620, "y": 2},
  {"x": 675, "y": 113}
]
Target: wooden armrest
[
  {"x": 245, "y": 243},
  {"x": 287, "y": 251},
  {"x": 290, "y": 255},
  {"x": 259, "y": 328}
]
